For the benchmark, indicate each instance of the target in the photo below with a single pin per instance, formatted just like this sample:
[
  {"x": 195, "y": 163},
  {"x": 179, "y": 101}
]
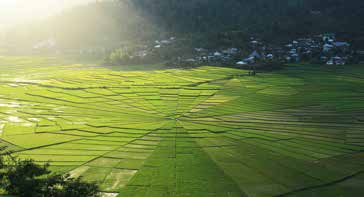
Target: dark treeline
[
  {"x": 270, "y": 19},
  {"x": 207, "y": 22}
]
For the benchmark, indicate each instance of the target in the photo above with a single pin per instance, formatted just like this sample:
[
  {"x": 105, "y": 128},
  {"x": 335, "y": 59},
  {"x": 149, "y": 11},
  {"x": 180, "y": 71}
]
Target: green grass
[{"x": 208, "y": 131}]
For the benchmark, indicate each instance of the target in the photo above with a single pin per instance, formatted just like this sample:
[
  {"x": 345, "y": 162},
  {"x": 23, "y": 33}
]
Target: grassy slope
[{"x": 201, "y": 132}]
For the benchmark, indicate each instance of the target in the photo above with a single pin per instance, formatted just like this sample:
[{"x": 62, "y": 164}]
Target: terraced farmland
[{"x": 202, "y": 132}]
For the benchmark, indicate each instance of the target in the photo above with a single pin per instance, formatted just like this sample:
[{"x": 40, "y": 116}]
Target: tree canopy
[{"x": 24, "y": 178}]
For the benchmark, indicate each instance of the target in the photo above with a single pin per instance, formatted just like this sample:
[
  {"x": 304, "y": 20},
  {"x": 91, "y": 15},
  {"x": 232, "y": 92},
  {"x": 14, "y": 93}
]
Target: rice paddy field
[{"x": 207, "y": 131}]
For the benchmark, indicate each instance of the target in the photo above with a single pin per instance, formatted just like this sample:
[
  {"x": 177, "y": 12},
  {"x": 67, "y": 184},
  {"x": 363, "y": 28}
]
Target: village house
[
  {"x": 251, "y": 59},
  {"x": 230, "y": 51},
  {"x": 327, "y": 37},
  {"x": 360, "y": 54},
  {"x": 336, "y": 61},
  {"x": 45, "y": 44}
]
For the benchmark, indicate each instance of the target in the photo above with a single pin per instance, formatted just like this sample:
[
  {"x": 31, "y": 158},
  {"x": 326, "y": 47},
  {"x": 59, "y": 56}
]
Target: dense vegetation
[
  {"x": 269, "y": 16},
  {"x": 24, "y": 178},
  {"x": 225, "y": 22},
  {"x": 275, "y": 20}
]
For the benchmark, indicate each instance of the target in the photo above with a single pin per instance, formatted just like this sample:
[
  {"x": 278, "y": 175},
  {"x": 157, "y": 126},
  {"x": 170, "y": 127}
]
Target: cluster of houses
[
  {"x": 323, "y": 49},
  {"x": 211, "y": 56},
  {"x": 161, "y": 43},
  {"x": 142, "y": 51}
]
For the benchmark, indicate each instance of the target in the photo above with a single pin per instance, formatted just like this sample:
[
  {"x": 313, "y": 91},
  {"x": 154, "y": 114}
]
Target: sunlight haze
[{"x": 14, "y": 12}]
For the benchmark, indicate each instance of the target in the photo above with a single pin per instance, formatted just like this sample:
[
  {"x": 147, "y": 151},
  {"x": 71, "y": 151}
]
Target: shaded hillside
[
  {"x": 267, "y": 18},
  {"x": 110, "y": 23}
]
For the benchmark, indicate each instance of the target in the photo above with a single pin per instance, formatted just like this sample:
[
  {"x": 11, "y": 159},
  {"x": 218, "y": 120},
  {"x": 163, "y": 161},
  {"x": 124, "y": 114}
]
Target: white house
[
  {"x": 217, "y": 54},
  {"x": 341, "y": 44},
  {"x": 200, "y": 49},
  {"x": 327, "y": 47},
  {"x": 255, "y": 55},
  {"x": 165, "y": 42},
  {"x": 46, "y": 44},
  {"x": 241, "y": 63},
  {"x": 336, "y": 61},
  {"x": 231, "y": 51},
  {"x": 269, "y": 56},
  {"x": 250, "y": 60}
]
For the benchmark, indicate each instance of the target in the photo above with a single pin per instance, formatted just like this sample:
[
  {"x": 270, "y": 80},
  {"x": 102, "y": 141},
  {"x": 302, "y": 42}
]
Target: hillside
[
  {"x": 309, "y": 16},
  {"x": 271, "y": 19},
  {"x": 110, "y": 23}
]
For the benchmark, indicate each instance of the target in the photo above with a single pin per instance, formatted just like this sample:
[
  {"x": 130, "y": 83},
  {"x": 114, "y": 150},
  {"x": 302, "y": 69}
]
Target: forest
[{"x": 111, "y": 23}]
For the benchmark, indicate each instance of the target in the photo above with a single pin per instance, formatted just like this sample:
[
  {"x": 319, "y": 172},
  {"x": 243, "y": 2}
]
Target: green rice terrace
[{"x": 207, "y": 131}]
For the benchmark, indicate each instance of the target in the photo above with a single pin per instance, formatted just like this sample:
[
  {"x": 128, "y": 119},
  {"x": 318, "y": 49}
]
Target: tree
[
  {"x": 25, "y": 178},
  {"x": 76, "y": 188},
  {"x": 65, "y": 186},
  {"x": 3, "y": 171}
]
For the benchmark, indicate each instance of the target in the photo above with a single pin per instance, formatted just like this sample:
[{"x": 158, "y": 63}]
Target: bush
[{"x": 118, "y": 56}]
